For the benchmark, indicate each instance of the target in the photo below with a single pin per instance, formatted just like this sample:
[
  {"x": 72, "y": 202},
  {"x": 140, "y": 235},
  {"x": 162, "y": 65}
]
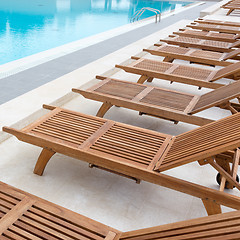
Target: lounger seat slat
[
  {"x": 126, "y": 150},
  {"x": 15, "y": 233},
  {"x": 68, "y": 128},
  {"x": 128, "y": 91},
  {"x": 207, "y": 54},
  {"x": 56, "y": 220},
  {"x": 184, "y": 71},
  {"x": 168, "y": 99}
]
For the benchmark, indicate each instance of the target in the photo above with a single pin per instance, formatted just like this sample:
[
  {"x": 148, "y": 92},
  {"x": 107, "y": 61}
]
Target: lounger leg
[
  {"x": 211, "y": 206},
  {"x": 103, "y": 109},
  {"x": 150, "y": 79},
  {"x": 42, "y": 161},
  {"x": 229, "y": 11},
  {"x": 168, "y": 59},
  {"x": 142, "y": 79}
]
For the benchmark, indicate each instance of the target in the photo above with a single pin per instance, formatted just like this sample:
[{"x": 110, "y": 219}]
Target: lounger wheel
[{"x": 218, "y": 179}]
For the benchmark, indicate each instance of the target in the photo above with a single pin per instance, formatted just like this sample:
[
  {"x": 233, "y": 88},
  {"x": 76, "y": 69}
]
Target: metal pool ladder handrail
[{"x": 139, "y": 13}]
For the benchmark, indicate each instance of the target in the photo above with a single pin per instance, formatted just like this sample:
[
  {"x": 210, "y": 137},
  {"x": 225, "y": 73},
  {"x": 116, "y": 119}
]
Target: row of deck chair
[
  {"x": 216, "y": 53},
  {"x": 25, "y": 216},
  {"x": 201, "y": 46},
  {"x": 143, "y": 154}
]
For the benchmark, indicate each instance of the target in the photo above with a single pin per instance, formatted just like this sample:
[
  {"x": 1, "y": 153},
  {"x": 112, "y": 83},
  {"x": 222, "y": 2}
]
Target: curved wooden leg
[
  {"x": 142, "y": 79},
  {"x": 42, "y": 161},
  {"x": 103, "y": 109}
]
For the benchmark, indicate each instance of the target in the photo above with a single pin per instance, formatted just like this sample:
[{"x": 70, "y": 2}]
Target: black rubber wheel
[{"x": 219, "y": 177}]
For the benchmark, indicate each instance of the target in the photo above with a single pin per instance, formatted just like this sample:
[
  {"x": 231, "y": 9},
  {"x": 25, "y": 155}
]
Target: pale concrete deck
[{"x": 105, "y": 197}]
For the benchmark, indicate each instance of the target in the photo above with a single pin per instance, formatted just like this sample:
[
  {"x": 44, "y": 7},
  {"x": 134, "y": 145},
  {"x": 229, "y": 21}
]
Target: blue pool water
[{"x": 31, "y": 26}]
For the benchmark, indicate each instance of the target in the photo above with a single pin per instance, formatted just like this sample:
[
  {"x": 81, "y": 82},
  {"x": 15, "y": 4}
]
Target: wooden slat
[
  {"x": 220, "y": 226},
  {"x": 15, "y": 213},
  {"x": 34, "y": 218}
]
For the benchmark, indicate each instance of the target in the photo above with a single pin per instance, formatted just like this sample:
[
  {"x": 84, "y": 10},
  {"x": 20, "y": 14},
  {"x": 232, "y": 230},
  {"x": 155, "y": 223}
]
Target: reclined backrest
[
  {"x": 220, "y": 226},
  {"x": 236, "y": 44},
  {"x": 232, "y": 54},
  {"x": 227, "y": 71},
  {"x": 202, "y": 142},
  {"x": 217, "y": 96}
]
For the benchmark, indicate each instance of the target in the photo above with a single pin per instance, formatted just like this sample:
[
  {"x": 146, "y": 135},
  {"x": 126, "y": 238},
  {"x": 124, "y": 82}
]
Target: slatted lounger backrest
[
  {"x": 217, "y": 96},
  {"x": 202, "y": 142},
  {"x": 227, "y": 71},
  {"x": 217, "y": 227}
]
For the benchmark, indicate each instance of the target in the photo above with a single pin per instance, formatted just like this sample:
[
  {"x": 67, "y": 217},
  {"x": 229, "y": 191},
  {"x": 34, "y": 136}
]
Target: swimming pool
[{"x": 28, "y": 27}]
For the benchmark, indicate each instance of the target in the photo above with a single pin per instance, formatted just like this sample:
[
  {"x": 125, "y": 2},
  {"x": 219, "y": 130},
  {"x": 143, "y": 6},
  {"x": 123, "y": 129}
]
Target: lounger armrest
[
  {"x": 10, "y": 130},
  {"x": 48, "y": 107},
  {"x": 100, "y": 77},
  {"x": 135, "y": 57}
]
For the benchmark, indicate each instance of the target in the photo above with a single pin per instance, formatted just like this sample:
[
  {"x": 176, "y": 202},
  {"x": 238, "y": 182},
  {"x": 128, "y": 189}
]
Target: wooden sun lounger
[
  {"x": 215, "y": 27},
  {"x": 150, "y": 69},
  {"x": 215, "y": 36},
  {"x": 224, "y": 226},
  {"x": 170, "y": 53},
  {"x": 218, "y": 22},
  {"x": 24, "y": 216},
  {"x": 231, "y": 6},
  {"x": 160, "y": 102},
  {"x": 210, "y": 45},
  {"x": 139, "y": 153}
]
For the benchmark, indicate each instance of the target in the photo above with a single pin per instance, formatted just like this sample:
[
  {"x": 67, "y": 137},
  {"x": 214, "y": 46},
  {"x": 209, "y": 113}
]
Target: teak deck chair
[
  {"x": 215, "y": 27},
  {"x": 149, "y": 69},
  {"x": 215, "y": 36},
  {"x": 217, "y": 22},
  {"x": 231, "y": 6},
  {"x": 194, "y": 55},
  {"x": 25, "y": 216},
  {"x": 160, "y": 102},
  {"x": 210, "y": 45},
  {"x": 132, "y": 151},
  {"x": 225, "y": 226}
]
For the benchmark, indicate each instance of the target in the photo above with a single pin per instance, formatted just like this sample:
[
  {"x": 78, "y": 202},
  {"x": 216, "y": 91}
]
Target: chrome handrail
[{"x": 139, "y": 13}]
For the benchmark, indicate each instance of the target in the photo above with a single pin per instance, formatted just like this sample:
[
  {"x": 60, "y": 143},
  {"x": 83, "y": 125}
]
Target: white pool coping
[{"x": 25, "y": 63}]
